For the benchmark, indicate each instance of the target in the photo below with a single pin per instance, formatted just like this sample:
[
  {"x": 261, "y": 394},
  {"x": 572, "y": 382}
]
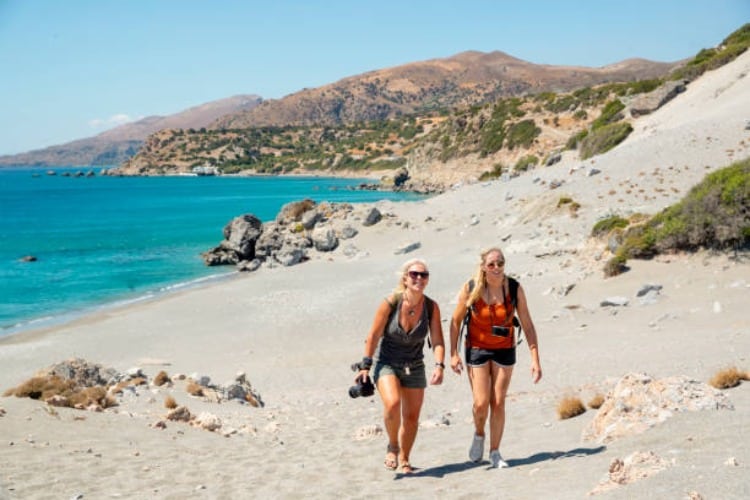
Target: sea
[{"x": 101, "y": 241}]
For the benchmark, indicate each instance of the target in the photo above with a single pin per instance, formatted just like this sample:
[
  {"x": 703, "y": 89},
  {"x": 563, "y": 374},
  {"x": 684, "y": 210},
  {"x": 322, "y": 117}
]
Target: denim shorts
[
  {"x": 415, "y": 379},
  {"x": 478, "y": 357}
]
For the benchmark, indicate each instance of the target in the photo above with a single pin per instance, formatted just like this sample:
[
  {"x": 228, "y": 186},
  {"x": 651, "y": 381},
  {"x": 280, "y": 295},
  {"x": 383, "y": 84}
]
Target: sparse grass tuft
[
  {"x": 728, "y": 378},
  {"x": 161, "y": 378},
  {"x": 170, "y": 403},
  {"x": 570, "y": 406},
  {"x": 596, "y": 402},
  {"x": 194, "y": 389}
]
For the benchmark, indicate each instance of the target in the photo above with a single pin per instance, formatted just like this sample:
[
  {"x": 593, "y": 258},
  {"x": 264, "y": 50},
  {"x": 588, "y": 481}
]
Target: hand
[
  {"x": 456, "y": 364},
  {"x": 362, "y": 376},
  {"x": 437, "y": 376},
  {"x": 536, "y": 372}
]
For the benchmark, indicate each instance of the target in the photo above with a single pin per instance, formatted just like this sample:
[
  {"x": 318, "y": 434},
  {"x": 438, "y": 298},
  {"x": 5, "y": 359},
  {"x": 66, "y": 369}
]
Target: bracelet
[
  {"x": 366, "y": 363},
  {"x": 440, "y": 364}
]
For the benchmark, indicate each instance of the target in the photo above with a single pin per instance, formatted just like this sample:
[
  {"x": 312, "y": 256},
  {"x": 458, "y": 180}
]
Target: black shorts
[{"x": 478, "y": 357}]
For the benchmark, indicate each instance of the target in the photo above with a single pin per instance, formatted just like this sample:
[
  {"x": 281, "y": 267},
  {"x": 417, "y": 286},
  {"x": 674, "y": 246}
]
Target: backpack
[
  {"x": 513, "y": 289},
  {"x": 428, "y": 302}
]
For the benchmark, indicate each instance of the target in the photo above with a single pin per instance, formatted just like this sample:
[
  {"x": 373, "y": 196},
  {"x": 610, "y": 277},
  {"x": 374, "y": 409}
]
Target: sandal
[
  {"x": 406, "y": 467},
  {"x": 391, "y": 457}
]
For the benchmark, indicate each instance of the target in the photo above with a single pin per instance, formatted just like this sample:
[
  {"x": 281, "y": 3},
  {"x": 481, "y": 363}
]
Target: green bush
[
  {"x": 576, "y": 139},
  {"x": 522, "y": 133},
  {"x": 604, "y": 226},
  {"x": 715, "y": 215},
  {"x": 524, "y": 163},
  {"x": 610, "y": 113},
  {"x": 497, "y": 171},
  {"x": 604, "y": 138},
  {"x": 709, "y": 59}
]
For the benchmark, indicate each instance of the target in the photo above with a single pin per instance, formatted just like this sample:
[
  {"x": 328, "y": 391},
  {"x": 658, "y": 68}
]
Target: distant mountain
[
  {"x": 463, "y": 80},
  {"x": 114, "y": 146}
]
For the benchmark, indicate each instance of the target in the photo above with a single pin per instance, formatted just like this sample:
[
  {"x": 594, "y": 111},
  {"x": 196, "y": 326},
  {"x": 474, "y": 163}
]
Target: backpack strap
[{"x": 513, "y": 290}]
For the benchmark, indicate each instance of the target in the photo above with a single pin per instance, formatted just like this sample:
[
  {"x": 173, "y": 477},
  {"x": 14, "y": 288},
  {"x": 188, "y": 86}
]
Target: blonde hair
[
  {"x": 401, "y": 286},
  {"x": 479, "y": 276}
]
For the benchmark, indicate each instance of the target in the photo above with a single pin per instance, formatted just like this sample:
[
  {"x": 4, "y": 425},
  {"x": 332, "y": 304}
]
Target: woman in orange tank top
[{"x": 491, "y": 348}]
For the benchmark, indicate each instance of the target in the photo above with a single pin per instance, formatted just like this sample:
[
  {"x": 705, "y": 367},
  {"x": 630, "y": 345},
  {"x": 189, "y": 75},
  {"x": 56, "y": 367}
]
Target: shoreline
[{"x": 65, "y": 319}]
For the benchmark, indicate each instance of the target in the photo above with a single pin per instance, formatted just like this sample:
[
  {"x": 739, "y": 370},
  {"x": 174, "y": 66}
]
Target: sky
[{"x": 74, "y": 68}]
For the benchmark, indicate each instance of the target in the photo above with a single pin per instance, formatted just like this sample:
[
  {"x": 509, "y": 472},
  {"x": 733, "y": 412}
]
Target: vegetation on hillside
[
  {"x": 511, "y": 133},
  {"x": 715, "y": 214},
  {"x": 707, "y": 59}
]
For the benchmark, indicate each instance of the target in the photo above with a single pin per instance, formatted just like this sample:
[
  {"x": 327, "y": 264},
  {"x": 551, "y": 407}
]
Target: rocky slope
[{"x": 462, "y": 80}]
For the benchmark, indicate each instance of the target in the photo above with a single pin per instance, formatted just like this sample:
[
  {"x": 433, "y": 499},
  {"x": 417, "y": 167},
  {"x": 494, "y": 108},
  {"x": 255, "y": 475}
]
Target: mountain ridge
[{"x": 116, "y": 145}]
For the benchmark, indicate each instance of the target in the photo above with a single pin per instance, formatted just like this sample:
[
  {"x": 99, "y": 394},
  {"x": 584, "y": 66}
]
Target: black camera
[
  {"x": 500, "y": 331},
  {"x": 364, "y": 387}
]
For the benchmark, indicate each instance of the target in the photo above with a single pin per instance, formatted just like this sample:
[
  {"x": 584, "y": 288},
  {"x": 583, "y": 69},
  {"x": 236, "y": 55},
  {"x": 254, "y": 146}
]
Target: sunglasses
[
  {"x": 495, "y": 264},
  {"x": 419, "y": 274}
]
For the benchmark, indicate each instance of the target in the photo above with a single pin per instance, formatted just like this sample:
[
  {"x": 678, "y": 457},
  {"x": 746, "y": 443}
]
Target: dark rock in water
[{"x": 27, "y": 258}]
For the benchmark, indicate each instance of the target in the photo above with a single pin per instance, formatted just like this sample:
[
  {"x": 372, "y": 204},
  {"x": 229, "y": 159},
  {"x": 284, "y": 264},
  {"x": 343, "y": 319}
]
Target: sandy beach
[{"x": 295, "y": 332}]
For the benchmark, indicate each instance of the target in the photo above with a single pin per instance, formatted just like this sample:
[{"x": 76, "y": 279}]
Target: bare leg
[
  {"x": 479, "y": 379},
  {"x": 500, "y": 382},
  {"x": 389, "y": 389},
  {"x": 410, "y": 408}
]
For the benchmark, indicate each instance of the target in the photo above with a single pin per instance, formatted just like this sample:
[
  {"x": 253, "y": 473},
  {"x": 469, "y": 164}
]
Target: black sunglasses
[{"x": 419, "y": 274}]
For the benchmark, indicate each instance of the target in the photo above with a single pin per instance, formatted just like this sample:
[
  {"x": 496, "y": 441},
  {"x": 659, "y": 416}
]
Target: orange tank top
[{"x": 483, "y": 317}]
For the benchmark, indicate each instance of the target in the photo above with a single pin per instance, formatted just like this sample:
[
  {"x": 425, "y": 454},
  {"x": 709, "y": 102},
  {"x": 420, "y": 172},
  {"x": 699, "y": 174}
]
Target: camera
[
  {"x": 500, "y": 331},
  {"x": 364, "y": 387}
]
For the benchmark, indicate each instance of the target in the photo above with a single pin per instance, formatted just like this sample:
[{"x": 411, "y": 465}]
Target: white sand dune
[{"x": 295, "y": 331}]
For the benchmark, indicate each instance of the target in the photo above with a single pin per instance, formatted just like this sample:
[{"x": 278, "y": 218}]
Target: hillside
[
  {"x": 462, "y": 80},
  {"x": 430, "y": 150},
  {"x": 116, "y": 145}
]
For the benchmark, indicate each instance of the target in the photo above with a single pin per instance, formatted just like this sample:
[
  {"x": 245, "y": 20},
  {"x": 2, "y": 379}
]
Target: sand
[{"x": 295, "y": 331}]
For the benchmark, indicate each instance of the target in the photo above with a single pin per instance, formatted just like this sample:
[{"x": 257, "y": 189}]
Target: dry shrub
[
  {"x": 194, "y": 389},
  {"x": 170, "y": 403},
  {"x": 161, "y": 378},
  {"x": 728, "y": 378},
  {"x": 45, "y": 387},
  {"x": 570, "y": 406},
  {"x": 596, "y": 402},
  {"x": 89, "y": 396}
]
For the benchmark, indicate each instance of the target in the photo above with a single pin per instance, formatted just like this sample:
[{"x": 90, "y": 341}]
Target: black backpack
[{"x": 513, "y": 289}]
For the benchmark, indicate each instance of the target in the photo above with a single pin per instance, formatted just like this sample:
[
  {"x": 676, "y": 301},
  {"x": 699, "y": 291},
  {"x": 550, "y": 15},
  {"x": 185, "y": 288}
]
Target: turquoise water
[{"x": 100, "y": 240}]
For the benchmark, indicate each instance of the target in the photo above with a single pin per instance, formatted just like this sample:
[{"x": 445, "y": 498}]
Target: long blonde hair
[
  {"x": 401, "y": 286},
  {"x": 479, "y": 276}
]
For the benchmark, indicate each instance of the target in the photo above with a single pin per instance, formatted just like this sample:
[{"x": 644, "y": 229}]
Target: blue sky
[{"x": 73, "y": 68}]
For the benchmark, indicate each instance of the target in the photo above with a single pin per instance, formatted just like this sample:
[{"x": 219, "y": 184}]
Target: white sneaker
[
  {"x": 477, "y": 448},
  {"x": 497, "y": 460}
]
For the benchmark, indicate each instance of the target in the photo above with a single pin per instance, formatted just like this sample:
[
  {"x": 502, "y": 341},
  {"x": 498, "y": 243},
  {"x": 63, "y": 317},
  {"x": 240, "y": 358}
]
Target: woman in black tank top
[{"x": 402, "y": 323}]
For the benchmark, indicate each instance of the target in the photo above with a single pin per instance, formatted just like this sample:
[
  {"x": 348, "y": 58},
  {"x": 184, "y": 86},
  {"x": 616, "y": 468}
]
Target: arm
[
  {"x": 374, "y": 335},
  {"x": 438, "y": 345},
  {"x": 458, "y": 317},
  {"x": 528, "y": 326}
]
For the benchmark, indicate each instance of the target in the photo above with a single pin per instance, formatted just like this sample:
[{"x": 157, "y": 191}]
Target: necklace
[{"x": 411, "y": 309}]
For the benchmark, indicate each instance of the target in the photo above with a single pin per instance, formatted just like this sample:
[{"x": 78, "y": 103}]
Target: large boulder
[
  {"x": 241, "y": 234},
  {"x": 648, "y": 103}
]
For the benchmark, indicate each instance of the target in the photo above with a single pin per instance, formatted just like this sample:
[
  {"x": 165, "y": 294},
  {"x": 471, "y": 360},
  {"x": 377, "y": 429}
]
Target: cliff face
[{"x": 117, "y": 145}]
